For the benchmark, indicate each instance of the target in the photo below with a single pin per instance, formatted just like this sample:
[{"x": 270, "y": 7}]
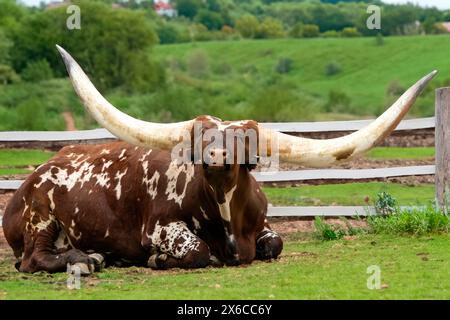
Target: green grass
[
  {"x": 13, "y": 171},
  {"x": 417, "y": 221},
  {"x": 411, "y": 268},
  {"x": 21, "y": 157},
  {"x": 366, "y": 72},
  {"x": 348, "y": 194},
  {"x": 389, "y": 153}
]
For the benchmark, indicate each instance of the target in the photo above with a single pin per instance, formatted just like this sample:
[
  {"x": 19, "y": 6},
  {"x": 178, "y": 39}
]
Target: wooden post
[{"x": 442, "y": 143}]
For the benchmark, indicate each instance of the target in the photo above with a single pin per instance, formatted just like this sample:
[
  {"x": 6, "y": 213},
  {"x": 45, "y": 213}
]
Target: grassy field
[
  {"x": 349, "y": 194},
  {"x": 392, "y": 153},
  {"x": 367, "y": 69},
  {"x": 19, "y": 161},
  {"x": 411, "y": 268},
  {"x": 238, "y": 79}
]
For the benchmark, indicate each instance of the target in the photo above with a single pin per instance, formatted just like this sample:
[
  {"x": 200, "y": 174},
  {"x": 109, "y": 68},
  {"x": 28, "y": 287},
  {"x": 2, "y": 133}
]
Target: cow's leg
[
  {"x": 268, "y": 244},
  {"x": 41, "y": 255},
  {"x": 177, "y": 247}
]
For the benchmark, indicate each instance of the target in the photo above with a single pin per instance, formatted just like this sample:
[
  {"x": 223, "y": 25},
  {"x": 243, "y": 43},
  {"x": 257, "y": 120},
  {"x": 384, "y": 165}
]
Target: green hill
[
  {"x": 240, "y": 71},
  {"x": 265, "y": 80}
]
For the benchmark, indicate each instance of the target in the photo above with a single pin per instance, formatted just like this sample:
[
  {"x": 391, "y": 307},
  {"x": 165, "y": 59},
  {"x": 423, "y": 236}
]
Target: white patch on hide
[
  {"x": 224, "y": 208},
  {"x": 178, "y": 241},
  {"x": 173, "y": 173},
  {"x": 118, "y": 187},
  {"x": 152, "y": 183}
]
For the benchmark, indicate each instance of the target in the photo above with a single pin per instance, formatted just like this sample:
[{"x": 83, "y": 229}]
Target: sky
[{"x": 442, "y": 4}]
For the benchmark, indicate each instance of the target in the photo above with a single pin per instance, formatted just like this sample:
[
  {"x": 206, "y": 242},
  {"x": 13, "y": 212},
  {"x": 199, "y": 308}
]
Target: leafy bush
[
  {"x": 332, "y": 68},
  {"x": 212, "y": 20},
  {"x": 338, "y": 101},
  {"x": 350, "y": 33},
  {"x": 284, "y": 65},
  {"x": 223, "y": 68},
  {"x": 8, "y": 75},
  {"x": 270, "y": 28},
  {"x": 331, "y": 34},
  {"x": 247, "y": 25},
  {"x": 167, "y": 34},
  {"x": 418, "y": 221},
  {"x": 37, "y": 71},
  {"x": 310, "y": 31},
  {"x": 395, "y": 88},
  {"x": 385, "y": 204}
]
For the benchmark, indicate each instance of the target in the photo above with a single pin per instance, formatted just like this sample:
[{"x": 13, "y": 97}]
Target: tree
[
  {"x": 212, "y": 20},
  {"x": 108, "y": 46},
  {"x": 36, "y": 71},
  {"x": 5, "y": 46},
  {"x": 270, "y": 28},
  {"x": 247, "y": 26},
  {"x": 310, "y": 31},
  {"x": 188, "y": 8}
]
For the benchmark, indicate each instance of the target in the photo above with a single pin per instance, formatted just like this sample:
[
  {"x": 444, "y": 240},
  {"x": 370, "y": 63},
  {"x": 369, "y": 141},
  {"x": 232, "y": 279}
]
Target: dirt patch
[
  {"x": 70, "y": 122},
  {"x": 4, "y": 198},
  {"x": 285, "y": 226}
]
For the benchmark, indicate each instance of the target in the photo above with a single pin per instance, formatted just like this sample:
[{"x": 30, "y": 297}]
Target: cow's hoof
[
  {"x": 155, "y": 260},
  {"x": 99, "y": 261},
  {"x": 213, "y": 261},
  {"x": 84, "y": 269}
]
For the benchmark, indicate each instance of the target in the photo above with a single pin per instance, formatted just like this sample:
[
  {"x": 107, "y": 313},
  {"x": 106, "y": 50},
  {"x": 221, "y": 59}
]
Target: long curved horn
[
  {"x": 129, "y": 129},
  {"x": 322, "y": 153}
]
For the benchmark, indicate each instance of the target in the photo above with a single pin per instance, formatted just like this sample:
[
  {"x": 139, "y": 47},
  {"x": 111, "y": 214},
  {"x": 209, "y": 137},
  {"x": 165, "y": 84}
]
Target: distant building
[
  {"x": 56, "y": 4},
  {"x": 164, "y": 8}
]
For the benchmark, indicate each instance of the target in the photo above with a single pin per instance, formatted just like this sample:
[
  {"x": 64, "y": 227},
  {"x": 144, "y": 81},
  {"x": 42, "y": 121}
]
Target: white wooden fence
[{"x": 280, "y": 176}]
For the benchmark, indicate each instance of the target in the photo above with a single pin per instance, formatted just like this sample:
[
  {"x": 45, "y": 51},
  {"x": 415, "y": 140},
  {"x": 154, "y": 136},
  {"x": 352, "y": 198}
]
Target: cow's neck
[{"x": 229, "y": 196}]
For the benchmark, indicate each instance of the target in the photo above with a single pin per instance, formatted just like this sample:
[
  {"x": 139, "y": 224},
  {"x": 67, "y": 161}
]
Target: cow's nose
[{"x": 217, "y": 157}]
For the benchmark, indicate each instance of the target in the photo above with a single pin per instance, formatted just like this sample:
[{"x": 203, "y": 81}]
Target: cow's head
[{"x": 298, "y": 150}]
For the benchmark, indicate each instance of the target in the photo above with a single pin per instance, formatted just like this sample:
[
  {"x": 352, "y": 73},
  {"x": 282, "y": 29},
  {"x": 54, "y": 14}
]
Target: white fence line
[
  {"x": 343, "y": 174},
  {"x": 97, "y": 134},
  {"x": 303, "y": 175}
]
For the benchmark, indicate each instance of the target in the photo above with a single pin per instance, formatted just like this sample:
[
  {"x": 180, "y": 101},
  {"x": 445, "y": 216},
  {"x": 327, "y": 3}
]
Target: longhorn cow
[{"x": 131, "y": 203}]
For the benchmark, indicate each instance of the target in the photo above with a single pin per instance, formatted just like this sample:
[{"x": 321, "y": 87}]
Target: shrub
[
  {"x": 212, "y": 20},
  {"x": 284, "y": 65},
  {"x": 310, "y": 31},
  {"x": 30, "y": 116},
  {"x": 270, "y": 28},
  {"x": 385, "y": 203},
  {"x": 350, "y": 33},
  {"x": 338, "y": 101},
  {"x": 296, "y": 31},
  {"x": 167, "y": 34},
  {"x": 37, "y": 71},
  {"x": 325, "y": 231},
  {"x": 418, "y": 221},
  {"x": 395, "y": 88},
  {"x": 247, "y": 25},
  {"x": 198, "y": 64},
  {"x": 8, "y": 75},
  {"x": 332, "y": 68},
  {"x": 331, "y": 34}
]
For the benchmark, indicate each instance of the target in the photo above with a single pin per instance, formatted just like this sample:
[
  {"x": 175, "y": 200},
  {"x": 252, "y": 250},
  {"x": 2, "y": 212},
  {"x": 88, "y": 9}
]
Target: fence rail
[
  {"x": 280, "y": 176},
  {"x": 99, "y": 134}
]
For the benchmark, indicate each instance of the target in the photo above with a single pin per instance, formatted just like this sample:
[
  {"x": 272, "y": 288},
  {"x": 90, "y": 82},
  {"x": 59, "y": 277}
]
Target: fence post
[{"x": 442, "y": 144}]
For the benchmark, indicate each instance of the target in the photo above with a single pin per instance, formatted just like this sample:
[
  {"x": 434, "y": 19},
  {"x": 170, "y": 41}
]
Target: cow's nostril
[{"x": 212, "y": 153}]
